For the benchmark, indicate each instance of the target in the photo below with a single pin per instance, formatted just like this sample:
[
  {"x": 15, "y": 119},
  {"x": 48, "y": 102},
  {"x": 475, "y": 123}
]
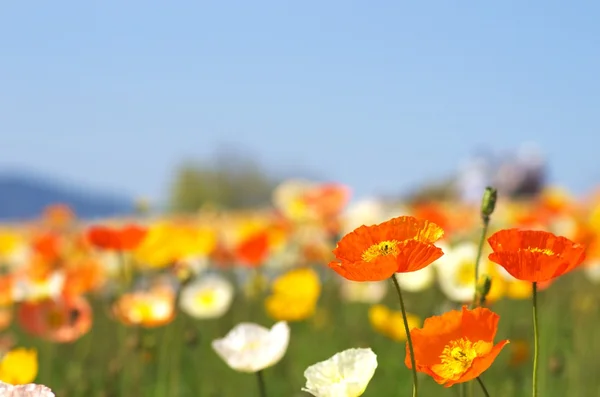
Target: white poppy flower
[
  {"x": 207, "y": 297},
  {"x": 364, "y": 292},
  {"x": 416, "y": 281},
  {"x": 370, "y": 211},
  {"x": 26, "y": 289},
  {"x": 30, "y": 390},
  {"x": 364, "y": 212},
  {"x": 346, "y": 374},
  {"x": 249, "y": 347},
  {"x": 456, "y": 271},
  {"x": 592, "y": 271}
]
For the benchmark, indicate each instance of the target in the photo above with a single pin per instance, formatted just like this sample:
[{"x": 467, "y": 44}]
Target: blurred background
[
  {"x": 106, "y": 102},
  {"x": 242, "y": 139}
]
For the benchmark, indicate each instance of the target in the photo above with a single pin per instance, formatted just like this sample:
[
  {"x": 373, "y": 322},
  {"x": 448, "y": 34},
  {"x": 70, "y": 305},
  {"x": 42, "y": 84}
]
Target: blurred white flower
[
  {"x": 249, "y": 347},
  {"x": 564, "y": 226},
  {"x": 111, "y": 263},
  {"x": 30, "y": 390},
  {"x": 27, "y": 289},
  {"x": 416, "y": 281},
  {"x": 18, "y": 258},
  {"x": 364, "y": 212},
  {"x": 456, "y": 271},
  {"x": 369, "y": 212},
  {"x": 592, "y": 271},
  {"x": 288, "y": 198},
  {"x": 364, "y": 292},
  {"x": 283, "y": 258},
  {"x": 207, "y": 297},
  {"x": 346, "y": 374}
]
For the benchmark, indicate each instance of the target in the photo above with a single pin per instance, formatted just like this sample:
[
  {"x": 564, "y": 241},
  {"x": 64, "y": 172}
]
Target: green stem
[
  {"x": 486, "y": 224},
  {"x": 462, "y": 389},
  {"x": 536, "y": 338},
  {"x": 262, "y": 390},
  {"x": 408, "y": 337},
  {"x": 485, "y": 392}
]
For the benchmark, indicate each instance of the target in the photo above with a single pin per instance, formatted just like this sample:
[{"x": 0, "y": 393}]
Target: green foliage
[
  {"x": 177, "y": 360},
  {"x": 232, "y": 181}
]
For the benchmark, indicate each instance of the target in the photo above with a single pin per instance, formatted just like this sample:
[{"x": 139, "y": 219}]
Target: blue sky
[{"x": 380, "y": 95}]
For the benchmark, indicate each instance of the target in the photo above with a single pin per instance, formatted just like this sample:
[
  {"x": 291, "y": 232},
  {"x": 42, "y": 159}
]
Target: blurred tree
[
  {"x": 444, "y": 190},
  {"x": 231, "y": 181}
]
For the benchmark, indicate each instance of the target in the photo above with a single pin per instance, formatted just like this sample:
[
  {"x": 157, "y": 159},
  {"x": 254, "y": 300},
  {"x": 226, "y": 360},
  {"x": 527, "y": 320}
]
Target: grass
[{"x": 177, "y": 360}]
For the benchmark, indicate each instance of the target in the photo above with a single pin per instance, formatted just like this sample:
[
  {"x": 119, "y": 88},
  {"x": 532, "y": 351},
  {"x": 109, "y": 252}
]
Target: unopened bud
[
  {"x": 484, "y": 289},
  {"x": 488, "y": 203}
]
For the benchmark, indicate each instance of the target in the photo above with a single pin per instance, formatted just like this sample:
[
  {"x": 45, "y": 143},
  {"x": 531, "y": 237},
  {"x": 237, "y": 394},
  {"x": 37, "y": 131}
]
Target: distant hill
[{"x": 24, "y": 196}]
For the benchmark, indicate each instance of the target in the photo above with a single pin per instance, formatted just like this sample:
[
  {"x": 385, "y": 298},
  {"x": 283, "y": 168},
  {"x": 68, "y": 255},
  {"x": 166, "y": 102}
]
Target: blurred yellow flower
[
  {"x": 295, "y": 295},
  {"x": 497, "y": 289},
  {"x": 9, "y": 242},
  {"x": 19, "y": 366},
  {"x": 167, "y": 243},
  {"x": 518, "y": 289},
  {"x": 390, "y": 323}
]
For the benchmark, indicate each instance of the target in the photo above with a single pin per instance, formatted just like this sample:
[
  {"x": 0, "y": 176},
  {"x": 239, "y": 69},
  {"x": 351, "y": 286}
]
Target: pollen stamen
[
  {"x": 383, "y": 248},
  {"x": 545, "y": 251},
  {"x": 457, "y": 357}
]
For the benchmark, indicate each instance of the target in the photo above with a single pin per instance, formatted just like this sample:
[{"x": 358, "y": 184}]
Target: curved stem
[
  {"x": 486, "y": 224},
  {"x": 536, "y": 338},
  {"x": 408, "y": 337},
  {"x": 262, "y": 390},
  {"x": 485, "y": 392}
]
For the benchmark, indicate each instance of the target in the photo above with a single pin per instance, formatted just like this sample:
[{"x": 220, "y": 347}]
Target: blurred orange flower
[
  {"x": 535, "y": 256},
  {"x": 58, "y": 215},
  {"x": 253, "y": 250},
  {"x": 373, "y": 253},
  {"x": 152, "y": 308},
  {"x": 126, "y": 238},
  {"x": 6, "y": 289},
  {"x": 82, "y": 276},
  {"x": 327, "y": 200},
  {"x": 457, "y": 346},
  {"x": 61, "y": 320},
  {"x": 48, "y": 246},
  {"x": 6, "y": 316}
]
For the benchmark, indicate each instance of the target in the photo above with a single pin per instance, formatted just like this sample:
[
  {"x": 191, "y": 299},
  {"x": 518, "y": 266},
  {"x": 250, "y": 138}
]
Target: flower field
[{"x": 311, "y": 295}]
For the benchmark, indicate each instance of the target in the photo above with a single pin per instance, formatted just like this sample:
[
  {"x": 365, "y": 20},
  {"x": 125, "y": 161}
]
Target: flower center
[
  {"x": 465, "y": 274},
  {"x": 457, "y": 356},
  {"x": 205, "y": 298},
  {"x": 55, "y": 319},
  {"x": 545, "y": 251},
  {"x": 383, "y": 248}
]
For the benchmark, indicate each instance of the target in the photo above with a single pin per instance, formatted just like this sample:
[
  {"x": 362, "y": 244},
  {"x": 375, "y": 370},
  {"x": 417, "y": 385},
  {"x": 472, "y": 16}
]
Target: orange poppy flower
[
  {"x": 114, "y": 239},
  {"x": 328, "y": 199},
  {"x": 62, "y": 320},
  {"x": 374, "y": 253},
  {"x": 48, "y": 245},
  {"x": 82, "y": 276},
  {"x": 535, "y": 256},
  {"x": 58, "y": 215},
  {"x": 253, "y": 251},
  {"x": 457, "y": 346}
]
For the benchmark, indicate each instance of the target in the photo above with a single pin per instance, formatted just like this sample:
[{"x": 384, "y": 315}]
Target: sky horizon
[{"x": 378, "y": 96}]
